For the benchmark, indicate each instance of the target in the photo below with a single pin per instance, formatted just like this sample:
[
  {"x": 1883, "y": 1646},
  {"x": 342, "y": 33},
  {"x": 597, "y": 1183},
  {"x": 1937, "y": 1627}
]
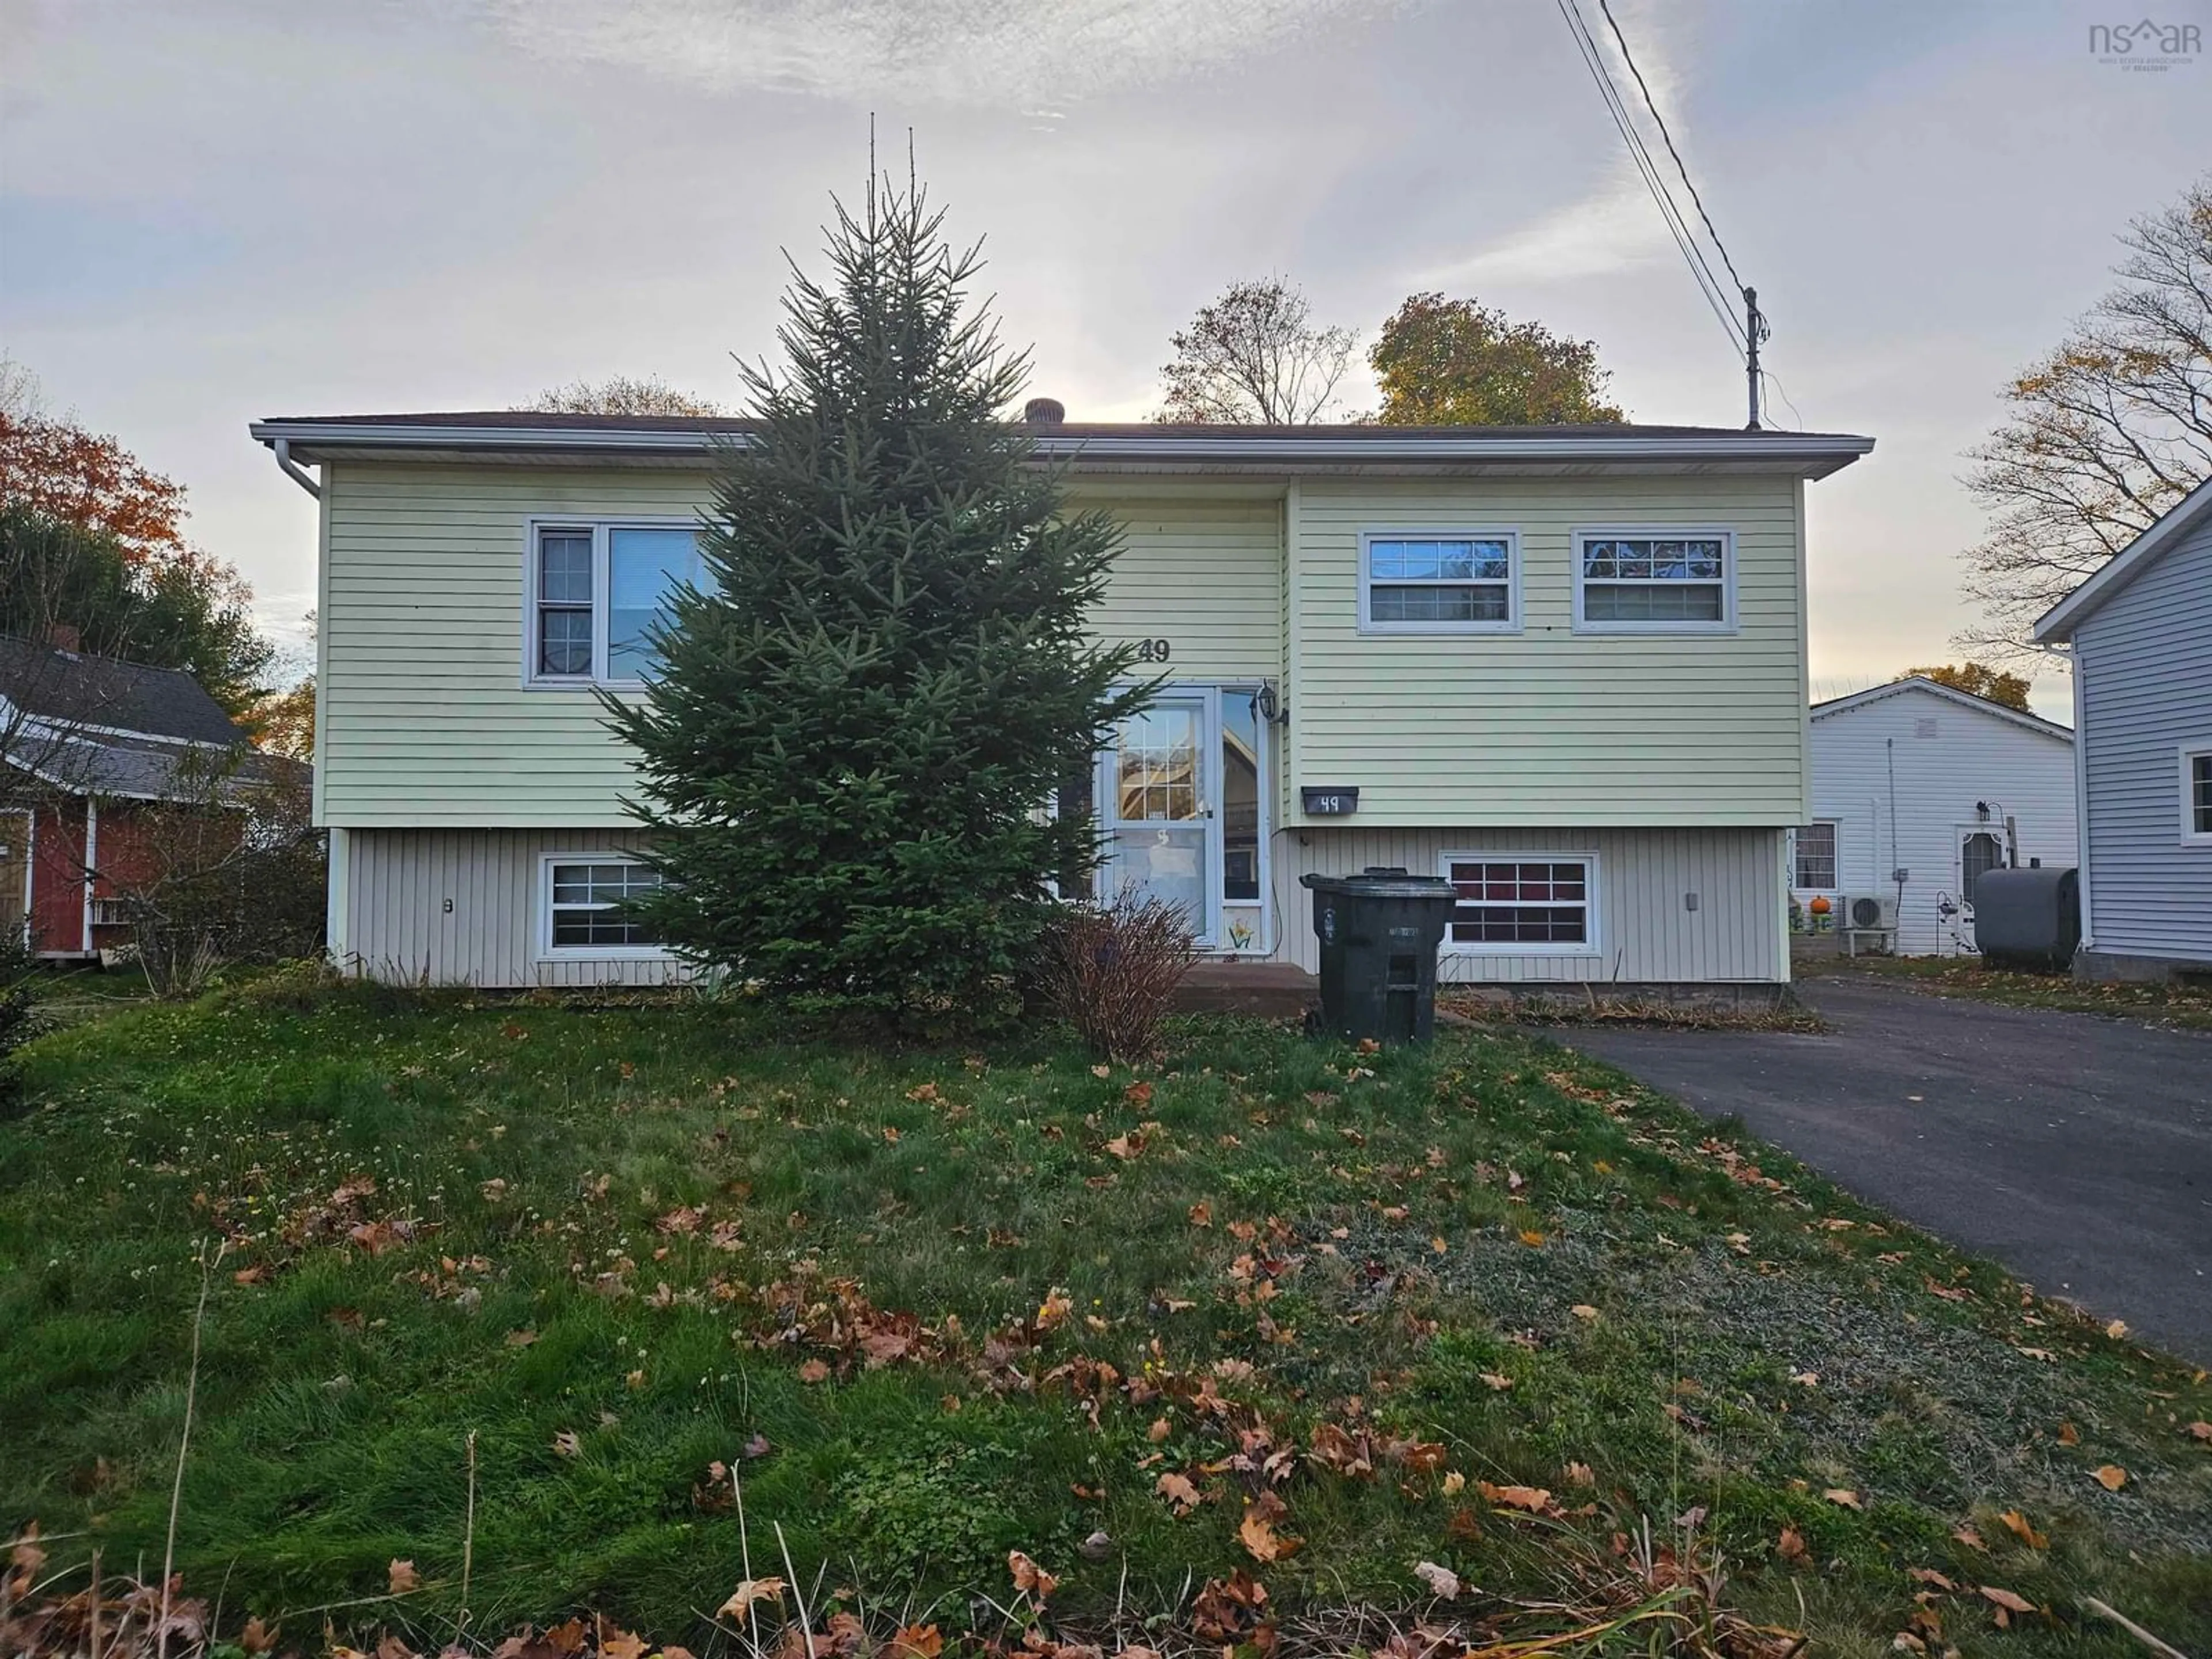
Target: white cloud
[
  {"x": 1606, "y": 233},
  {"x": 991, "y": 53}
]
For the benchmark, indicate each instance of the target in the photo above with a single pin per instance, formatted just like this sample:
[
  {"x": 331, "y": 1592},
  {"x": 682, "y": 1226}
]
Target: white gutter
[
  {"x": 1470, "y": 446},
  {"x": 293, "y": 469}
]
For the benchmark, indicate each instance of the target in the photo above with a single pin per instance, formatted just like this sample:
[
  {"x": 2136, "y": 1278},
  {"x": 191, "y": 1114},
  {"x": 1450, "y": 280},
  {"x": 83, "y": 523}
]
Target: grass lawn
[
  {"x": 2184, "y": 1007},
  {"x": 1488, "y": 1307}
]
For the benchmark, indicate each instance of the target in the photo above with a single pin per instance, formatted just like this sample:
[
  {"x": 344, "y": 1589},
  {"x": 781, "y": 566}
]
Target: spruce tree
[{"x": 885, "y": 670}]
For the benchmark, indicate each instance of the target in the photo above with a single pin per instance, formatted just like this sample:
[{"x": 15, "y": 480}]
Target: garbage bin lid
[{"x": 1374, "y": 882}]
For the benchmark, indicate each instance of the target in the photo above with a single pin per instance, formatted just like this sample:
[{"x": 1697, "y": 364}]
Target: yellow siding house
[{"x": 1564, "y": 666}]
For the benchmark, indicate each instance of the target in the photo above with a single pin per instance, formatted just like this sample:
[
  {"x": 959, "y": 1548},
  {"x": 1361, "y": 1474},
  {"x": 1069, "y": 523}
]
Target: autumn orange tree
[
  {"x": 81, "y": 477},
  {"x": 1457, "y": 362},
  {"x": 92, "y": 545},
  {"x": 1978, "y": 680}
]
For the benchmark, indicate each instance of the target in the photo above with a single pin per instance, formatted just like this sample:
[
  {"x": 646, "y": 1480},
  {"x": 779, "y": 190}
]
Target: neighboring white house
[
  {"x": 1918, "y": 777},
  {"x": 2140, "y": 630},
  {"x": 1564, "y": 666}
]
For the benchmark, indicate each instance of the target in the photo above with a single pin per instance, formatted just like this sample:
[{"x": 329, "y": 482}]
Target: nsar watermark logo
[{"x": 2147, "y": 45}]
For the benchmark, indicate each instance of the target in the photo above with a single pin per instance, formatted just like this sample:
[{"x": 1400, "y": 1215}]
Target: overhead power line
[
  {"x": 1629, "y": 58},
  {"x": 1716, "y": 296}
]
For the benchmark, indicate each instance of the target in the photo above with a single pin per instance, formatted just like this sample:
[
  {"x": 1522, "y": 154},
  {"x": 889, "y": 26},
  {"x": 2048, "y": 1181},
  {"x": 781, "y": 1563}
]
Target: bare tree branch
[
  {"x": 2102, "y": 436},
  {"x": 1253, "y": 357}
]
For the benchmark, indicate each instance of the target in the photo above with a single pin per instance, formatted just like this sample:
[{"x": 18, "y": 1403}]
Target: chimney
[
  {"x": 65, "y": 636},
  {"x": 1043, "y": 411}
]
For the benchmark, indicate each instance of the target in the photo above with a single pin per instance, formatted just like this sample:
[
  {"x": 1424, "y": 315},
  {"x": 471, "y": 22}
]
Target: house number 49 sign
[{"x": 1153, "y": 651}]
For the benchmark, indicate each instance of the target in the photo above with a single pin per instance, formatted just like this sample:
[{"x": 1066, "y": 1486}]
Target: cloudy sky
[{"x": 217, "y": 210}]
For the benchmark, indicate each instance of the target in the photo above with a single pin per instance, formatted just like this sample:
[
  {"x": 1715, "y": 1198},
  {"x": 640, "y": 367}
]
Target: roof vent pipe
[{"x": 1043, "y": 411}]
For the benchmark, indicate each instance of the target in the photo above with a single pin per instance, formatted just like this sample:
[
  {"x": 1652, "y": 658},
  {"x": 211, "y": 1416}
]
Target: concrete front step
[{"x": 1275, "y": 990}]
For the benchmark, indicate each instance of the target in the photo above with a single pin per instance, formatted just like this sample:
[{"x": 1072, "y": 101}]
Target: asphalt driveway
[{"x": 2075, "y": 1149}]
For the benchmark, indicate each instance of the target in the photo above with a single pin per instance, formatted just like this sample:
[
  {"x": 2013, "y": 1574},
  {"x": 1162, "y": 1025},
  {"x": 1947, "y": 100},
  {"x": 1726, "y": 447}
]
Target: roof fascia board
[
  {"x": 1874, "y": 694},
  {"x": 1779, "y": 451}
]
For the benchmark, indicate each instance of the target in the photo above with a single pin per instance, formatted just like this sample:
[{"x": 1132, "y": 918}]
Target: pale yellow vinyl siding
[
  {"x": 427, "y": 721},
  {"x": 1549, "y": 726},
  {"x": 1646, "y": 933},
  {"x": 1205, "y": 577}
]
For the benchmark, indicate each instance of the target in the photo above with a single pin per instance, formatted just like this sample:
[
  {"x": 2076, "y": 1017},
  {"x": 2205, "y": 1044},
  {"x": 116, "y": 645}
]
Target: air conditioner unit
[{"x": 1871, "y": 912}]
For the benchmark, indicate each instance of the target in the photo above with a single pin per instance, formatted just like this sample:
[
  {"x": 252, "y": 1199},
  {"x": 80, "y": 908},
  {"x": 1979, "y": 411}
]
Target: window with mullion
[
  {"x": 2197, "y": 803},
  {"x": 1438, "y": 583},
  {"x": 1657, "y": 581},
  {"x": 587, "y": 905},
  {"x": 598, "y": 593},
  {"x": 1508, "y": 904},
  {"x": 565, "y": 585}
]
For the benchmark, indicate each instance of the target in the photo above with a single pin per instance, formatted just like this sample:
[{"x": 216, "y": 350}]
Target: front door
[{"x": 1157, "y": 798}]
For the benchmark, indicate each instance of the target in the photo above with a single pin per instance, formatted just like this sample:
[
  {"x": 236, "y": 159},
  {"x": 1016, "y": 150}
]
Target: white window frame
[
  {"x": 2191, "y": 754},
  {"x": 548, "y": 952},
  {"x": 1511, "y": 623},
  {"x": 1835, "y": 855},
  {"x": 1592, "y": 944},
  {"x": 1727, "y": 624},
  {"x": 598, "y": 528}
]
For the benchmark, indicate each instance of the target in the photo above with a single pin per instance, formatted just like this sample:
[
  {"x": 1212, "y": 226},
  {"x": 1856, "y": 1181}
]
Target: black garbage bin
[{"x": 1379, "y": 932}]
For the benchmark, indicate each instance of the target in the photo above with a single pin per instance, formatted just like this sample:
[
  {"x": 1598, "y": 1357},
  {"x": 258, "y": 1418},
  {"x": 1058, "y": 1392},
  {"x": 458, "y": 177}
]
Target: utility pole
[{"x": 1754, "y": 331}]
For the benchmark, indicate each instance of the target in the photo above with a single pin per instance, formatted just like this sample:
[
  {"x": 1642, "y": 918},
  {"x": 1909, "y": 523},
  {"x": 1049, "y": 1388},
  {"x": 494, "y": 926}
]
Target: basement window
[
  {"x": 586, "y": 905},
  {"x": 1530, "y": 903}
]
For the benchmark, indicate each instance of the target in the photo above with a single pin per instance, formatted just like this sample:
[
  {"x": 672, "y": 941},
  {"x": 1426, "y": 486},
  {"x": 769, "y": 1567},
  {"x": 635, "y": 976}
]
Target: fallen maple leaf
[
  {"x": 915, "y": 1642},
  {"x": 1580, "y": 1474},
  {"x": 1583, "y": 1310},
  {"x": 1180, "y": 1490},
  {"x": 520, "y": 1339},
  {"x": 1102, "y": 1070},
  {"x": 1454, "y": 1483},
  {"x": 568, "y": 1443},
  {"x": 1969, "y": 1538},
  {"x": 1929, "y": 1576},
  {"x": 1029, "y": 1577},
  {"x": 1201, "y": 1214},
  {"x": 1496, "y": 1380},
  {"x": 402, "y": 1576},
  {"x": 1257, "y": 1532},
  {"x": 2116, "y": 1329},
  {"x": 254, "y": 1275},
  {"x": 257, "y": 1637},
  {"x": 2007, "y": 1600},
  {"x": 2017, "y": 1525},
  {"x": 1138, "y": 1094},
  {"x": 2202, "y": 1431},
  {"x": 1532, "y": 1238},
  {"x": 2111, "y": 1476},
  {"x": 622, "y": 1644},
  {"x": 739, "y": 1607},
  {"x": 1844, "y": 1495},
  {"x": 814, "y": 1371},
  {"x": 2068, "y": 1435},
  {"x": 1159, "y": 1430},
  {"x": 1441, "y": 1580},
  {"x": 1790, "y": 1546},
  {"x": 1531, "y": 1499}
]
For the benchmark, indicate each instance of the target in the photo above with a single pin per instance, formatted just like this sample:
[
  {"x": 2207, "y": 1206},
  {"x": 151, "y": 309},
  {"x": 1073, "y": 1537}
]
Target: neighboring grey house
[{"x": 2140, "y": 630}]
